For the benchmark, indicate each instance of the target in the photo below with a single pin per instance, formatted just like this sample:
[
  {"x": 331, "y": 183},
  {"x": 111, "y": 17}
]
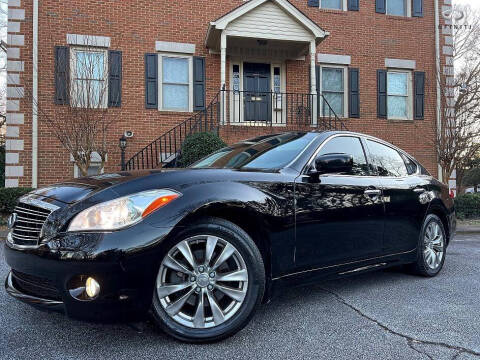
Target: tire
[
  {"x": 205, "y": 300},
  {"x": 424, "y": 265}
]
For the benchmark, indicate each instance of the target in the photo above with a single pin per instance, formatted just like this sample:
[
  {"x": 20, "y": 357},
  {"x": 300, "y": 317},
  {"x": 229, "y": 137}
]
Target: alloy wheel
[
  {"x": 202, "y": 281},
  {"x": 434, "y": 245}
]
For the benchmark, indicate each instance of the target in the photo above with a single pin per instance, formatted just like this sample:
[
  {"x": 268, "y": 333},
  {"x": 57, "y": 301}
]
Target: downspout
[
  {"x": 35, "y": 97},
  {"x": 437, "y": 77}
]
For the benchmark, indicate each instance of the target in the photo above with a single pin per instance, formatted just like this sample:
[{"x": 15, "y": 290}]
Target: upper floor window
[
  {"x": 175, "y": 83},
  {"x": 397, "y": 7},
  {"x": 89, "y": 88},
  {"x": 333, "y": 89},
  {"x": 331, "y": 4},
  {"x": 398, "y": 91},
  {"x": 388, "y": 160}
]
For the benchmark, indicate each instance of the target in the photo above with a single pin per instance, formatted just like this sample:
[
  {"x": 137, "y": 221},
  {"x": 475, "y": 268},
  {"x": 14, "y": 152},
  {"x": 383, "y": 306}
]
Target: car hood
[{"x": 105, "y": 187}]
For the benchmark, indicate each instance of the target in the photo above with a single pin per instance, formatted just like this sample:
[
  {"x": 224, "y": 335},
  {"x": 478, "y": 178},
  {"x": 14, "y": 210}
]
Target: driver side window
[{"x": 349, "y": 145}]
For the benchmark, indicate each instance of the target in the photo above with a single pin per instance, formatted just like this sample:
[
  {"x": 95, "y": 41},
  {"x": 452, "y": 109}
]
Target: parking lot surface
[{"x": 381, "y": 315}]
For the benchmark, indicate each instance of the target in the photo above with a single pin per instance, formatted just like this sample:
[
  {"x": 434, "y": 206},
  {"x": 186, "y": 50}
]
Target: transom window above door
[
  {"x": 333, "y": 90},
  {"x": 175, "y": 83}
]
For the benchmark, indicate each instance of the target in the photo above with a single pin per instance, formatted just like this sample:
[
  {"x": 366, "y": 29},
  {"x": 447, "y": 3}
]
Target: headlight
[{"x": 121, "y": 212}]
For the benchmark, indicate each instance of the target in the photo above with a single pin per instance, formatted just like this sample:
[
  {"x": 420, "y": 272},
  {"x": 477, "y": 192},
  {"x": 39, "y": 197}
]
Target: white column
[
  {"x": 313, "y": 82},
  {"x": 223, "y": 76}
]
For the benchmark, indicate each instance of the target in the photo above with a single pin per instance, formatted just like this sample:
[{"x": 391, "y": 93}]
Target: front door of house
[{"x": 257, "y": 92}]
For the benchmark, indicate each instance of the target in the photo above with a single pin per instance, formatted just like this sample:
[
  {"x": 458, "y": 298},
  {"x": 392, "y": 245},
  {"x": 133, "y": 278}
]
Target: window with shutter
[
  {"x": 354, "y": 93},
  {"x": 419, "y": 104},
  {"x": 417, "y": 8},
  {"x": 151, "y": 81},
  {"x": 198, "y": 83},
  {"x": 114, "y": 78},
  {"x": 382, "y": 93},
  {"x": 62, "y": 65}
]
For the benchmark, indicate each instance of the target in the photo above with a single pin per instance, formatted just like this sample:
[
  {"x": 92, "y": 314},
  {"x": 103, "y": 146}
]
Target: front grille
[
  {"x": 29, "y": 223},
  {"x": 35, "y": 286}
]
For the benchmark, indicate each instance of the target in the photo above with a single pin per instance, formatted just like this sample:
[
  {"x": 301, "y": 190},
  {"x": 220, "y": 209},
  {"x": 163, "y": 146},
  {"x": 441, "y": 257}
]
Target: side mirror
[{"x": 333, "y": 163}]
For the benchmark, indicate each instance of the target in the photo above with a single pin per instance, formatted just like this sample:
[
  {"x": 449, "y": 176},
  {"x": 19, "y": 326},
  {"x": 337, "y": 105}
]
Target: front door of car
[
  {"x": 405, "y": 196},
  {"x": 339, "y": 216}
]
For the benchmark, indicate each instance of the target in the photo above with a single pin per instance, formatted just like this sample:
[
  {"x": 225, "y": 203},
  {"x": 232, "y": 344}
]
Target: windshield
[{"x": 267, "y": 153}]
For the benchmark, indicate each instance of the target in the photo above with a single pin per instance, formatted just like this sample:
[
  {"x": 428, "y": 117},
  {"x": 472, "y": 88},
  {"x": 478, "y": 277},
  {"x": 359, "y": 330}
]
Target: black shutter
[
  {"x": 114, "y": 78},
  {"x": 314, "y": 3},
  {"x": 151, "y": 81},
  {"x": 61, "y": 75},
  {"x": 353, "y": 93},
  {"x": 419, "y": 105},
  {"x": 353, "y": 5},
  {"x": 198, "y": 83},
  {"x": 418, "y": 8},
  {"x": 380, "y": 6},
  {"x": 382, "y": 93}
]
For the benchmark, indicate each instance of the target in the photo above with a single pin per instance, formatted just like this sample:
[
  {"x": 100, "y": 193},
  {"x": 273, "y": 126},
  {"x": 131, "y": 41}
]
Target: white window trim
[
  {"x": 73, "y": 61},
  {"x": 345, "y": 87},
  {"x": 160, "y": 81},
  {"x": 408, "y": 9},
  {"x": 344, "y": 6},
  {"x": 409, "y": 94}
]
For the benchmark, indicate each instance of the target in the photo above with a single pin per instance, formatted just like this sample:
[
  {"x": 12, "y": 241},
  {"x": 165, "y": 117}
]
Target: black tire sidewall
[{"x": 256, "y": 282}]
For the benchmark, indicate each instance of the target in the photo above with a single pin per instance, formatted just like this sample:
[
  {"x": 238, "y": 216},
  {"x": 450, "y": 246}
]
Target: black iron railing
[
  {"x": 295, "y": 110},
  {"x": 288, "y": 111},
  {"x": 166, "y": 148}
]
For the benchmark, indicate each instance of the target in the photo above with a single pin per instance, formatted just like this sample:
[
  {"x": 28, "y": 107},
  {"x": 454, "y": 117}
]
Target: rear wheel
[
  {"x": 431, "y": 248},
  {"x": 209, "y": 283}
]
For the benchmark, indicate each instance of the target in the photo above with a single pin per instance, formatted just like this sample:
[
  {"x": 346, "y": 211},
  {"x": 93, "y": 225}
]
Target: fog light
[{"x": 92, "y": 288}]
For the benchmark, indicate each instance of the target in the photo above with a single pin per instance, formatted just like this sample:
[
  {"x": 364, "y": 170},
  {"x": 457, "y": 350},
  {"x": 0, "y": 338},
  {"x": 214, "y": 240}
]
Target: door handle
[
  {"x": 373, "y": 192},
  {"x": 419, "y": 190}
]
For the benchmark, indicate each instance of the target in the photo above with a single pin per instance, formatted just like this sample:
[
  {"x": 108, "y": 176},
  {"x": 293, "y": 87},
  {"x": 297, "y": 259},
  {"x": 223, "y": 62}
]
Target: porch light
[{"x": 123, "y": 143}]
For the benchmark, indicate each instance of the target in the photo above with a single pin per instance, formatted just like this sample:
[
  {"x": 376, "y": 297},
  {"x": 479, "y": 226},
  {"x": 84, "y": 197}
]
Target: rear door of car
[
  {"x": 405, "y": 194},
  {"x": 339, "y": 217}
]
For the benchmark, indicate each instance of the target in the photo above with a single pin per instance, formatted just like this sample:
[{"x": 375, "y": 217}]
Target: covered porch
[{"x": 267, "y": 65}]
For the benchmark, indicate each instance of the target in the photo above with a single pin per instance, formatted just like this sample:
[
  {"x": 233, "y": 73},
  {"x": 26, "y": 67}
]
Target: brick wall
[{"x": 134, "y": 26}]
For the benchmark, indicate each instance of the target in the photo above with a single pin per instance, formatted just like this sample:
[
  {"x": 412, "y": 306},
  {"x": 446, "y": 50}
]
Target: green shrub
[
  {"x": 468, "y": 206},
  {"x": 199, "y": 145},
  {"x": 9, "y": 197}
]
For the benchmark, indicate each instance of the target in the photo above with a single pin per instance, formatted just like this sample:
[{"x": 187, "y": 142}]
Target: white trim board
[
  {"x": 88, "y": 40},
  {"x": 174, "y": 47},
  {"x": 400, "y": 64},
  {"x": 334, "y": 59}
]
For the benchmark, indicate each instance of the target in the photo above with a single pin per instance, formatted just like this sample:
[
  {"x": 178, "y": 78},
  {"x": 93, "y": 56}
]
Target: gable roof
[{"x": 222, "y": 22}]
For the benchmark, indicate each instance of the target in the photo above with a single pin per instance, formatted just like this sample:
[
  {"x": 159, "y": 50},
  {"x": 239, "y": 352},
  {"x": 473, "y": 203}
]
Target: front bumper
[{"x": 126, "y": 275}]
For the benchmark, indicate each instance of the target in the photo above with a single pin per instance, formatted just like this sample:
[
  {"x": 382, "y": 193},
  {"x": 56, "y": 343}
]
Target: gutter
[
  {"x": 439, "y": 92},
  {"x": 35, "y": 97}
]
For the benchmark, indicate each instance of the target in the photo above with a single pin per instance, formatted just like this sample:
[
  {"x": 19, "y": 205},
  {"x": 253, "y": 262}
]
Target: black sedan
[{"x": 201, "y": 248}]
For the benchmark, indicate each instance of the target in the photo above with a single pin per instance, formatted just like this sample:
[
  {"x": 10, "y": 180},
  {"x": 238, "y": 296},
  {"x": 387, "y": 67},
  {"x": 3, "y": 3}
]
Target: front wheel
[
  {"x": 431, "y": 247},
  {"x": 210, "y": 281}
]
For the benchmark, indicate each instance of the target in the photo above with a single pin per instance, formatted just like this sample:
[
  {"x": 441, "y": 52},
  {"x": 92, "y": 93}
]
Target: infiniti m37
[{"x": 200, "y": 248}]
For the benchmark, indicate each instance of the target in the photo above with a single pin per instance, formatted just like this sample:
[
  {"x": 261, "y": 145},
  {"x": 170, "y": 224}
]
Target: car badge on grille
[{"x": 12, "y": 220}]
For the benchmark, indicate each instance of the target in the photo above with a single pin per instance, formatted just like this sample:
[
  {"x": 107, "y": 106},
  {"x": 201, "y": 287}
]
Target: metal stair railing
[{"x": 166, "y": 147}]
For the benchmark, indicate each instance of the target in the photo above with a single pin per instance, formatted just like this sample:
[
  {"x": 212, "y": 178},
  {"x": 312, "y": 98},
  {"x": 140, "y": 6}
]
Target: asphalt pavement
[{"x": 382, "y": 315}]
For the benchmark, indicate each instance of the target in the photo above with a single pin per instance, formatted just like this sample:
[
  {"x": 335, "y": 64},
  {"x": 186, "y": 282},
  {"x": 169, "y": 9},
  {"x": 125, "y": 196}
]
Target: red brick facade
[{"x": 134, "y": 26}]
